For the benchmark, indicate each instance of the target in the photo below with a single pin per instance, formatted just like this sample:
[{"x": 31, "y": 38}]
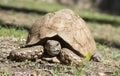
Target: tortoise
[{"x": 65, "y": 34}]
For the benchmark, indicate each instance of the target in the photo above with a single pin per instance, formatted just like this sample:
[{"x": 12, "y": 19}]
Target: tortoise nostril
[{"x": 57, "y": 50}]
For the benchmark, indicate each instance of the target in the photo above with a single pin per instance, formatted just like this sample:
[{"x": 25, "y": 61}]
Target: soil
[{"x": 7, "y": 44}]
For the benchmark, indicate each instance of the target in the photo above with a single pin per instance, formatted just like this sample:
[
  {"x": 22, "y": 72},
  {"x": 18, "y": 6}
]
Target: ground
[{"x": 14, "y": 27}]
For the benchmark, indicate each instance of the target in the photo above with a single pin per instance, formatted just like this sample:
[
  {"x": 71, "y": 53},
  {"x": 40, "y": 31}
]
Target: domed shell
[{"x": 68, "y": 26}]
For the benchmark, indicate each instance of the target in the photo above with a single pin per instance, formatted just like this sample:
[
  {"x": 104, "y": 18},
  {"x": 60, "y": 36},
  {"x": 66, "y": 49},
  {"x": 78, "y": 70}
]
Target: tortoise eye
[{"x": 57, "y": 44}]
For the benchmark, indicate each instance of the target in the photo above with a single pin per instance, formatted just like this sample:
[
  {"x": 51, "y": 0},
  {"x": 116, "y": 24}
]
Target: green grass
[
  {"x": 5, "y": 72},
  {"x": 77, "y": 70},
  {"x": 117, "y": 71},
  {"x": 31, "y": 4},
  {"x": 106, "y": 34},
  {"x": 109, "y": 53},
  {"x": 101, "y": 18},
  {"x": 5, "y": 31}
]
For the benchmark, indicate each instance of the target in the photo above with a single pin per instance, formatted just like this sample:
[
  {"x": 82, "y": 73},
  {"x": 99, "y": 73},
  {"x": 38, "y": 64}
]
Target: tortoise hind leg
[{"x": 97, "y": 57}]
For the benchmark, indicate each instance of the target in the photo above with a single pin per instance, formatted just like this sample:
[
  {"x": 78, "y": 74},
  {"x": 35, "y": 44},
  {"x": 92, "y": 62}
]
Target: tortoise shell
[{"x": 66, "y": 27}]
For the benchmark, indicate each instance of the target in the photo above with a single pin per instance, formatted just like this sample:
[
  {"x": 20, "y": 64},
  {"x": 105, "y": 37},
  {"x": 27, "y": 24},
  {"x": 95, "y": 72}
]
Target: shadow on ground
[
  {"x": 114, "y": 23},
  {"x": 108, "y": 43},
  {"x": 7, "y": 25},
  {"x": 24, "y": 10}
]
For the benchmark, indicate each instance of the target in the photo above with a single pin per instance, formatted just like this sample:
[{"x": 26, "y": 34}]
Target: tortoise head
[{"x": 53, "y": 47}]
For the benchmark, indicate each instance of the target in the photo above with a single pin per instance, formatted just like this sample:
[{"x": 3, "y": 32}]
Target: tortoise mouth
[{"x": 63, "y": 43}]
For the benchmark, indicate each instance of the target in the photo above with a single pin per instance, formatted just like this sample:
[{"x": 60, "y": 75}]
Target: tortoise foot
[
  {"x": 97, "y": 57},
  {"x": 52, "y": 59}
]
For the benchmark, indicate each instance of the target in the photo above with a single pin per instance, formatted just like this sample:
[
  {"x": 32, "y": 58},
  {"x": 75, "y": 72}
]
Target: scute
[{"x": 67, "y": 25}]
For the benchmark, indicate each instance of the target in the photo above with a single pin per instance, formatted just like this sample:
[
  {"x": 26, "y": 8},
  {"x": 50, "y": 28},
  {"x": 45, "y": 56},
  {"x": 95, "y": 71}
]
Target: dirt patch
[
  {"x": 18, "y": 19},
  {"x": 28, "y": 68}
]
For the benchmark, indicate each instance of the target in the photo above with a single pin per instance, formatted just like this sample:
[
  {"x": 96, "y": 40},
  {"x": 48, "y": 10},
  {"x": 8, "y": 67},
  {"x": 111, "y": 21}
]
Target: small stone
[{"x": 101, "y": 74}]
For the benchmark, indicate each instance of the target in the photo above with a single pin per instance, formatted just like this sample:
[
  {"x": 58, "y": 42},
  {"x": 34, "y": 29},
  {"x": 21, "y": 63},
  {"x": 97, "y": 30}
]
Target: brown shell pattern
[{"x": 68, "y": 26}]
